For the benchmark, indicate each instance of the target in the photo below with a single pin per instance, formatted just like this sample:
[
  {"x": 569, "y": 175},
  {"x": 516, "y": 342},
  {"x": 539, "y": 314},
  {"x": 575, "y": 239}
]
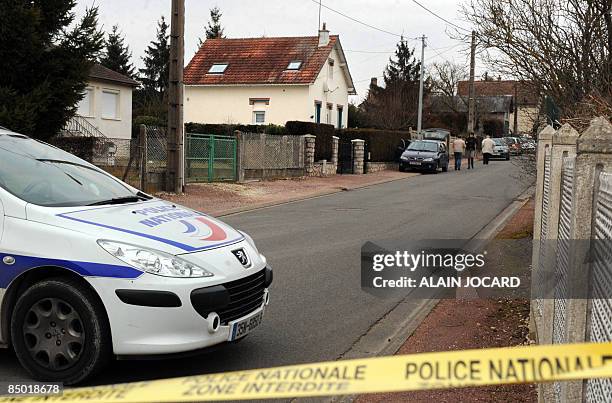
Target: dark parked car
[{"x": 427, "y": 155}]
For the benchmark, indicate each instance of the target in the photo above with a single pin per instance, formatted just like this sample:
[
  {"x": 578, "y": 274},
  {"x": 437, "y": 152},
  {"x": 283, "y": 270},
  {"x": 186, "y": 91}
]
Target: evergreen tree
[
  {"x": 214, "y": 29},
  {"x": 155, "y": 74},
  {"x": 117, "y": 54},
  {"x": 404, "y": 67},
  {"x": 45, "y": 59}
]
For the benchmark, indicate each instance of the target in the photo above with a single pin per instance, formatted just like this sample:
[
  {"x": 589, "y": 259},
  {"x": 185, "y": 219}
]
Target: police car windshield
[
  {"x": 55, "y": 182},
  {"x": 423, "y": 146}
]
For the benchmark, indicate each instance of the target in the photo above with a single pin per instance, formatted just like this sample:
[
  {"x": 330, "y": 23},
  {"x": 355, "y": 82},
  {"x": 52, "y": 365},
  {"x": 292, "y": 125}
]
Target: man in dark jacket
[{"x": 470, "y": 147}]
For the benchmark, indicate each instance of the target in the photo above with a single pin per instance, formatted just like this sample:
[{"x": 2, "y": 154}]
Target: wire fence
[{"x": 263, "y": 151}]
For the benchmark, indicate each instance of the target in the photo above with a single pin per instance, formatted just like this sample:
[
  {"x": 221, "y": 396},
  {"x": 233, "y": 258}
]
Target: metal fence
[
  {"x": 265, "y": 151},
  {"x": 210, "y": 158}
]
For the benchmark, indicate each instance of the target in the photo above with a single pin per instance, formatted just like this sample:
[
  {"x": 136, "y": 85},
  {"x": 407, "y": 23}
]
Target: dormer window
[
  {"x": 217, "y": 68},
  {"x": 294, "y": 65}
]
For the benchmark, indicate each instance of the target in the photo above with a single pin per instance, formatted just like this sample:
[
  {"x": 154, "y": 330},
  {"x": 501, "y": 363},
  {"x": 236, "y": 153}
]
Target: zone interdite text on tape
[{"x": 383, "y": 374}]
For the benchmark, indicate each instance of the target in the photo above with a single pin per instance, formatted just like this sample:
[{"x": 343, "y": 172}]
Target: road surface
[{"x": 317, "y": 308}]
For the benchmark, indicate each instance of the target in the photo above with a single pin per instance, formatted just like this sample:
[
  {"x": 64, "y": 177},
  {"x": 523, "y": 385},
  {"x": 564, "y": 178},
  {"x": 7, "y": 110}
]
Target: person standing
[
  {"x": 470, "y": 146},
  {"x": 458, "y": 149},
  {"x": 487, "y": 149}
]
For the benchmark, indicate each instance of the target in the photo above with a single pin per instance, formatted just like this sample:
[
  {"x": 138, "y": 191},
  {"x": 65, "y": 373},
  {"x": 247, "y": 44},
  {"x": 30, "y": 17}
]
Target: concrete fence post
[
  {"x": 239, "y": 156},
  {"x": 563, "y": 144},
  {"x": 594, "y": 154},
  {"x": 309, "y": 154},
  {"x": 358, "y": 156},
  {"x": 544, "y": 144},
  {"x": 144, "y": 157},
  {"x": 334, "y": 155}
]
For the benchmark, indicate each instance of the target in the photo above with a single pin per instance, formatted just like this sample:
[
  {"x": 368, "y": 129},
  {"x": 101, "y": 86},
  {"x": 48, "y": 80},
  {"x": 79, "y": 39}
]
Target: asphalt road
[{"x": 317, "y": 308}]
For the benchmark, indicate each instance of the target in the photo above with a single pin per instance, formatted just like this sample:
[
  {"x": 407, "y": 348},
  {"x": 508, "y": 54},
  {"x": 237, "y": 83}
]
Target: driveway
[{"x": 317, "y": 308}]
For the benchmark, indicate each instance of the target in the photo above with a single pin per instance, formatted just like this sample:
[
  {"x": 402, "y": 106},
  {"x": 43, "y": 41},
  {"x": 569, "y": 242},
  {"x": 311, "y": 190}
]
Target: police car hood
[{"x": 154, "y": 224}]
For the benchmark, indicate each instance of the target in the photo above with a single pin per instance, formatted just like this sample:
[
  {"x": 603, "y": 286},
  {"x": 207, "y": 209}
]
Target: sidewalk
[
  {"x": 225, "y": 198},
  {"x": 470, "y": 324}
]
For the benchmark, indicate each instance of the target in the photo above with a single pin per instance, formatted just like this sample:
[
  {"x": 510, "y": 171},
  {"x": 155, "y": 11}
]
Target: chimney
[
  {"x": 373, "y": 82},
  {"x": 323, "y": 36}
]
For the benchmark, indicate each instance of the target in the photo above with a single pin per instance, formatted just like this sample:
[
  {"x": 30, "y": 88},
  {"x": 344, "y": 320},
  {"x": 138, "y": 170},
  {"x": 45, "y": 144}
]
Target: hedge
[
  {"x": 382, "y": 145},
  {"x": 228, "y": 130},
  {"x": 322, "y": 131}
]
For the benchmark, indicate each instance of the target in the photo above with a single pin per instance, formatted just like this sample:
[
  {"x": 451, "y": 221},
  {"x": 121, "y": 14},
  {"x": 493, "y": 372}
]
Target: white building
[
  {"x": 107, "y": 104},
  {"x": 269, "y": 80}
]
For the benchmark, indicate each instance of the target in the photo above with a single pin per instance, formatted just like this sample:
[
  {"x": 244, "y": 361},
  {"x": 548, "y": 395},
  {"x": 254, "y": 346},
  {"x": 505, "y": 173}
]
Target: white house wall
[
  {"x": 231, "y": 104},
  {"x": 337, "y": 94},
  {"x": 121, "y": 127}
]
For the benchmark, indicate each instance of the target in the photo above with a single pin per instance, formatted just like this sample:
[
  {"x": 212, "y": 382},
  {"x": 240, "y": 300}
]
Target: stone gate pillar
[
  {"x": 358, "y": 156},
  {"x": 309, "y": 154},
  {"x": 334, "y": 155}
]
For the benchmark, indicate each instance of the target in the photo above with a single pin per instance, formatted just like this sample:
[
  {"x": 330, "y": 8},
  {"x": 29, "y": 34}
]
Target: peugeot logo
[{"x": 242, "y": 257}]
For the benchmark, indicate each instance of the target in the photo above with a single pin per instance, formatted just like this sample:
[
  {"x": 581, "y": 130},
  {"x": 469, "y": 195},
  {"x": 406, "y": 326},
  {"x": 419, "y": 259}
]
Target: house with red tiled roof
[
  {"x": 269, "y": 81},
  {"x": 523, "y": 109}
]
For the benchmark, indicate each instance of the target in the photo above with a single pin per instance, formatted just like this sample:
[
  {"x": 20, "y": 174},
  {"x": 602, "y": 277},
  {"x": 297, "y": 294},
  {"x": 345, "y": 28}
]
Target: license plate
[
  {"x": 246, "y": 325},
  {"x": 415, "y": 163}
]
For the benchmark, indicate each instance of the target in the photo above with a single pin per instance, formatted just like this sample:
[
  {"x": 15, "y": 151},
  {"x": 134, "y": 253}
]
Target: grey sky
[{"x": 248, "y": 18}]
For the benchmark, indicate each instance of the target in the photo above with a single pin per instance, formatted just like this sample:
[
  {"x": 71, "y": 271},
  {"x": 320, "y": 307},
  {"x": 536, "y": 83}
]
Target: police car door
[{"x": 1, "y": 233}]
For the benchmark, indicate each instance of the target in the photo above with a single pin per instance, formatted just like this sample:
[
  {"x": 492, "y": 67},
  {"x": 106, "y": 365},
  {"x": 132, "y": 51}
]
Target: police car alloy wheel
[{"x": 60, "y": 332}]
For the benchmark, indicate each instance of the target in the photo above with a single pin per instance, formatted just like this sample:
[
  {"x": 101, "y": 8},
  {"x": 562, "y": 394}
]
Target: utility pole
[
  {"x": 175, "y": 159},
  {"x": 422, "y": 78},
  {"x": 472, "y": 89}
]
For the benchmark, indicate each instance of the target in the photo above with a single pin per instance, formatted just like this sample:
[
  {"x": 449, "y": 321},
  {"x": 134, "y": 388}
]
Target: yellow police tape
[{"x": 384, "y": 374}]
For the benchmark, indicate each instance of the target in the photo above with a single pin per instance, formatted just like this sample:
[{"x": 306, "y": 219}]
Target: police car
[{"x": 91, "y": 268}]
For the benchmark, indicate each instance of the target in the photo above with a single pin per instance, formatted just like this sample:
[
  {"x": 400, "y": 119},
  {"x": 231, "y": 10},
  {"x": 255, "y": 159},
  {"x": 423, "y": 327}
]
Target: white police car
[{"x": 91, "y": 267}]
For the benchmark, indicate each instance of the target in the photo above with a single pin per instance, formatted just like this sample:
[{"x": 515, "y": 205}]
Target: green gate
[{"x": 210, "y": 158}]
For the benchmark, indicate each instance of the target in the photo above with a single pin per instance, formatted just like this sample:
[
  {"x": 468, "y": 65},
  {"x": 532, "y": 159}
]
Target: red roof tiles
[
  {"x": 259, "y": 60},
  {"x": 492, "y": 88}
]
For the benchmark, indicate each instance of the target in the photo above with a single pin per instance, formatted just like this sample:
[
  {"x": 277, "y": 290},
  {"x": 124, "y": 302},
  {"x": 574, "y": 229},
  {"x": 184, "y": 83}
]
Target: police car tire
[{"x": 97, "y": 346}]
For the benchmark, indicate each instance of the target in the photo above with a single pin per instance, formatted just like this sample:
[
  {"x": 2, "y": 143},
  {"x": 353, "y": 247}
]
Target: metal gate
[
  {"x": 210, "y": 158},
  {"x": 345, "y": 156}
]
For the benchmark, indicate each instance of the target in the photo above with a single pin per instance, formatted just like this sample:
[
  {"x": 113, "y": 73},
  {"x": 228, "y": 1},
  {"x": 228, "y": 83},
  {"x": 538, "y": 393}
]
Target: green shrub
[
  {"x": 322, "y": 131},
  {"x": 381, "y": 145},
  {"x": 228, "y": 130}
]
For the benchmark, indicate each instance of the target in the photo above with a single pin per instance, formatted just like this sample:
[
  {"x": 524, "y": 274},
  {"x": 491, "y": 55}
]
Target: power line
[
  {"x": 438, "y": 16},
  {"x": 356, "y": 20}
]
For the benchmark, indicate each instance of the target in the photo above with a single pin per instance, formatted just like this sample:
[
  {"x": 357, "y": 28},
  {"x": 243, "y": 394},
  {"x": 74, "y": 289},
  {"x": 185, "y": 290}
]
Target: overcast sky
[{"x": 251, "y": 18}]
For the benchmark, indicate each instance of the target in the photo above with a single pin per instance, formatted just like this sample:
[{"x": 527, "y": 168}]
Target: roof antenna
[{"x": 319, "y": 24}]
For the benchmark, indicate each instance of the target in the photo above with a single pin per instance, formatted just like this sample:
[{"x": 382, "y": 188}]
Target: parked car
[
  {"x": 514, "y": 145},
  {"x": 527, "y": 144},
  {"x": 500, "y": 149},
  {"x": 92, "y": 268},
  {"x": 427, "y": 155}
]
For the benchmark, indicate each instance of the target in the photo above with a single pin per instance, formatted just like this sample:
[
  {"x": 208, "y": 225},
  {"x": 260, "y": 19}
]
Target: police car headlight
[
  {"x": 428, "y": 159},
  {"x": 153, "y": 261}
]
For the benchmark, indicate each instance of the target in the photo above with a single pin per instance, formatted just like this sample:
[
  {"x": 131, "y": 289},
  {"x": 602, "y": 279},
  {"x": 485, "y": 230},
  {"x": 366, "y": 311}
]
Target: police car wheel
[{"x": 60, "y": 332}]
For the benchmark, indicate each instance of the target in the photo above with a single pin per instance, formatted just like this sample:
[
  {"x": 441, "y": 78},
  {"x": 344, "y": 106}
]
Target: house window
[
  {"x": 294, "y": 65},
  {"x": 259, "y": 117},
  {"x": 86, "y": 104},
  {"x": 110, "y": 104},
  {"x": 217, "y": 68},
  {"x": 317, "y": 112},
  {"x": 328, "y": 118},
  {"x": 330, "y": 66},
  {"x": 340, "y": 110}
]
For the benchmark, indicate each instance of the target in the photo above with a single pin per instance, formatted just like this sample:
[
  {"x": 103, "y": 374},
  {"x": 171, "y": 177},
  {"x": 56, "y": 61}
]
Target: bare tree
[
  {"x": 562, "y": 48},
  {"x": 445, "y": 79}
]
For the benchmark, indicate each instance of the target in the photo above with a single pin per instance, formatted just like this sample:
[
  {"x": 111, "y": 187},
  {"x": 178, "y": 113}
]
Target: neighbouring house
[
  {"x": 106, "y": 107},
  {"x": 520, "y": 104},
  {"x": 269, "y": 81}
]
